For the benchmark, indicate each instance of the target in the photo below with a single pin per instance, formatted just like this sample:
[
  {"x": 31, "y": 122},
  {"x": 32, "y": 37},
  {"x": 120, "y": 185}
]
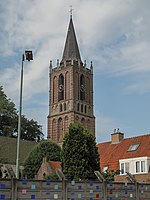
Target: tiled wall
[{"x": 71, "y": 190}]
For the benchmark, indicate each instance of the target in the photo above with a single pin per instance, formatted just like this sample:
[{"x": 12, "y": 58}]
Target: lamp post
[{"x": 27, "y": 56}]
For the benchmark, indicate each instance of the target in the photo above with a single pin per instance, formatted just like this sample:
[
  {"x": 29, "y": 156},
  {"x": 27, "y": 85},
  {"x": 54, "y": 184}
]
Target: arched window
[
  {"x": 54, "y": 130},
  {"x": 83, "y": 121},
  {"x": 60, "y": 129},
  {"x": 85, "y": 109},
  {"x": 65, "y": 107},
  {"x": 61, "y": 87},
  {"x": 60, "y": 108},
  {"x": 81, "y": 107},
  {"x": 78, "y": 107},
  {"x": 82, "y": 87},
  {"x": 54, "y": 90}
]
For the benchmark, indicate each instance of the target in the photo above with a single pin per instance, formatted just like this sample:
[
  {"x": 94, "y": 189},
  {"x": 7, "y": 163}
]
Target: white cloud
[{"x": 112, "y": 33}]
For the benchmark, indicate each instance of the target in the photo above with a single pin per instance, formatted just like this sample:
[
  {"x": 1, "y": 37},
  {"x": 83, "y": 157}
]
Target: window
[
  {"x": 82, "y": 87},
  {"x": 124, "y": 167},
  {"x": 65, "y": 108},
  {"x": 143, "y": 166},
  {"x": 105, "y": 169},
  {"x": 78, "y": 107},
  {"x": 137, "y": 166},
  {"x": 60, "y": 87},
  {"x": 60, "y": 107},
  {"x": 81, "y": 107},
  {"x": 133, "y": 147},
  {"x": 85, "y": 109}
]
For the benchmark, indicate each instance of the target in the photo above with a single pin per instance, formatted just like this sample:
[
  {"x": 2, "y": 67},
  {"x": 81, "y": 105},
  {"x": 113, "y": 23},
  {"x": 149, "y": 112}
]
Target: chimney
[{"x": 117, "y": 136}]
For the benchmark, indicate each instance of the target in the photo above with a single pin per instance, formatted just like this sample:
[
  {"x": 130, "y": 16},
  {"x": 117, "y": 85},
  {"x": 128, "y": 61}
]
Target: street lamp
[{"x": 27, "y": 56}]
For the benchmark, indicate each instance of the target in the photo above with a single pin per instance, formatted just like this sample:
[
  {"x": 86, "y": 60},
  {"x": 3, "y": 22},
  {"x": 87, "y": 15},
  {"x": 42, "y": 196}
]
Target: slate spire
[{"x": 71, "y": 50}]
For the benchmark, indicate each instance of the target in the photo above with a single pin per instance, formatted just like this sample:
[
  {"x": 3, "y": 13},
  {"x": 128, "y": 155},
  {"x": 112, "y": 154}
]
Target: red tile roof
[
  {"x": 110, "y": 154},
  {"x": 55, "y": 164}
]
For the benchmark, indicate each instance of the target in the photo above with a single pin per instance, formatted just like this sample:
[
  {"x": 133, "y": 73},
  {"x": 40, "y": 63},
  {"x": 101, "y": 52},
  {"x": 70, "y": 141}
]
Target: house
[
  {"x": 127, "y": 155},
  {"x": 48, "y": 168}
]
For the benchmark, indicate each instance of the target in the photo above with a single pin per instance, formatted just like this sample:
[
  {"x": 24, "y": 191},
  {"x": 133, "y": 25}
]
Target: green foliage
[
  {"x": 109, "y": 175},
  {"x": 79, "y": 154},
  {"x": 8, "y": 115},
  {"x": 30, "y": 129},
  {"x": 48, "y": 149},
  {"x": 53, "y": 177}
]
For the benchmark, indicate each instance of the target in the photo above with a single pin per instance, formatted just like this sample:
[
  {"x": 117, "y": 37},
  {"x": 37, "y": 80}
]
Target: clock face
[
  {"x": 61, "y": 88},
  {"x": 82, "y": 88}
]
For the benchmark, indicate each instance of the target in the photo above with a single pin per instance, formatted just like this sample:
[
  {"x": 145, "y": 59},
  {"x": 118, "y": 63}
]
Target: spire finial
[{"x": 71, "y": 9}]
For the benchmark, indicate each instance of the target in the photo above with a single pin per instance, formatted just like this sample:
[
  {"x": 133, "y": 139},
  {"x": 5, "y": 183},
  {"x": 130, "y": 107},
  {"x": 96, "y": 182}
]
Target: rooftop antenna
[{"x": 71, "y": 9}]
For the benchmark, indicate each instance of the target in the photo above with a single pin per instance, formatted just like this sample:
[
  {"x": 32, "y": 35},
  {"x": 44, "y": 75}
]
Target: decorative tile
[
  {"x": 55, "y": 196},
  {"x": 79, "y": 196},
  {"x": 33, "y": 187},
  {"x": 131, "y": 195},
  {"x": 32, "y": 196},
  {"x": 2, "y": 186},
  {"x": 72, "y": 182},
  {"x": 24, "y": 191},
  {"x": 97, "y": 195},
  {"x": 55, "y": 187},
  {"x": 48, "y": 182},
  {"x": 91, "y": 191},
  {"x": 47, "y": 191},
  {"x": 24, "y": 182},
  {"x": 91, "y": 183},
  {"x": 97, "y": 187},
  {"x": 110, "y": 184},
  {"x": 2, "y": 196},
  {"x": 110, "y": 191},
  {"x": 79, "y": 187}
]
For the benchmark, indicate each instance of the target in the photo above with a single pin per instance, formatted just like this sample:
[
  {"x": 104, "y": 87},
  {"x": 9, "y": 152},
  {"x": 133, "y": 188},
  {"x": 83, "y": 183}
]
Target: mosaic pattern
[{"x": 47, "y": 190}]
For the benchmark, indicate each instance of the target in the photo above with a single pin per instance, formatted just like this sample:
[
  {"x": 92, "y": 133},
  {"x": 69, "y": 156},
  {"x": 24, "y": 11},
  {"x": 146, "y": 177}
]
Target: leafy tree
[
  {"x": 30, "y": 129},
  {"x": 8, "y": 115},
  {"x": 48, "y": 149},
  {"x": 79, "y": 154}
]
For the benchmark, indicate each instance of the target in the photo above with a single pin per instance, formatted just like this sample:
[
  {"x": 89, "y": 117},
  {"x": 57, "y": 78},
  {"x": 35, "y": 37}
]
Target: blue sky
[{"x": 114, "y": 34}]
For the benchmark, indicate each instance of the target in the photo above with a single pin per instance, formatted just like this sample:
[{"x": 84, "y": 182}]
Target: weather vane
[{"x": 71, "y": 11}]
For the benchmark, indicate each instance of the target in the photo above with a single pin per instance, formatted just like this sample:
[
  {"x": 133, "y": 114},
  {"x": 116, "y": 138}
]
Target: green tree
[
  {"x": 48, "y": 149},
  {"x": 8, "y": 115},
  {"x": 30, "y": 129},
  {"x": 79, "y": 154}
]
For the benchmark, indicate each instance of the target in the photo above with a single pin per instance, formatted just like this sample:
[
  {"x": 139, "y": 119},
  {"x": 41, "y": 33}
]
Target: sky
[{"x": 113, "y": 34}]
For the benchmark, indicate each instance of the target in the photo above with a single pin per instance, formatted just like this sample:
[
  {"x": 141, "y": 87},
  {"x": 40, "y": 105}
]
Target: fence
[{"x": 13, "y": 189}]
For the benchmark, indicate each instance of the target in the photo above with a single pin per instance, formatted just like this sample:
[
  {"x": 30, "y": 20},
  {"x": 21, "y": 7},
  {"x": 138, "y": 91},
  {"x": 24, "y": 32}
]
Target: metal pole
[{"x": 19, "y": 121}]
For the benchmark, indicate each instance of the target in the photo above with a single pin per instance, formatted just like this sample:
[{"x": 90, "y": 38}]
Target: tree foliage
[
  {"x": 8, "y": 115},
  {"x": 48, "y": 149},
  {"x": 30, "y": 129},
  {"x": 79, "y": 154}
]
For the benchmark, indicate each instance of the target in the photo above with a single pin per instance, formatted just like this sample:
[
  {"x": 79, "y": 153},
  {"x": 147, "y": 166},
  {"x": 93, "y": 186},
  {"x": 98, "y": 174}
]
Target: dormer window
[{"x": 133, "y": 147}]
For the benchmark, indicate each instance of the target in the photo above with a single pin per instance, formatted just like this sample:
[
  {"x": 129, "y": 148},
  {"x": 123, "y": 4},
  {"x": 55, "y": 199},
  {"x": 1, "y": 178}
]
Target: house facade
[{"x": 127, "y": 155}]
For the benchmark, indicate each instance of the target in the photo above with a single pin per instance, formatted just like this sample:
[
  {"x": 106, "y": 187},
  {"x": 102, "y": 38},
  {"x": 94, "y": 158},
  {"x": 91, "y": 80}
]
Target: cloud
[
  {"x": 113, "y": 34},
  {"x": 104, "y": 127}
]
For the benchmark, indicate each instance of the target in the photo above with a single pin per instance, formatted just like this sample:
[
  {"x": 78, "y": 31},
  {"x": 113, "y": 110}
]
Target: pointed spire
[{"x": 71, "y": 50}]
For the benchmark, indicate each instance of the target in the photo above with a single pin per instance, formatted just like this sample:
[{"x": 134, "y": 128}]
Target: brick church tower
[{"x": 71, "y": 91}]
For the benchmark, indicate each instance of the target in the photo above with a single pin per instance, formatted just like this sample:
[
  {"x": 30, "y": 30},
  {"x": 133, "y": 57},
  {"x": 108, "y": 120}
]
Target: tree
[
  {"x": 79, "y": 154},
  {"x": 48, "y": 149},
  {"x": 30, "y": 129},
  {"x": 8, "y": 115}
]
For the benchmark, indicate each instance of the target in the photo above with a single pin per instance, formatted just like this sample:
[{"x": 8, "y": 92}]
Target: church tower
[{"x": 71, "y": 91}]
